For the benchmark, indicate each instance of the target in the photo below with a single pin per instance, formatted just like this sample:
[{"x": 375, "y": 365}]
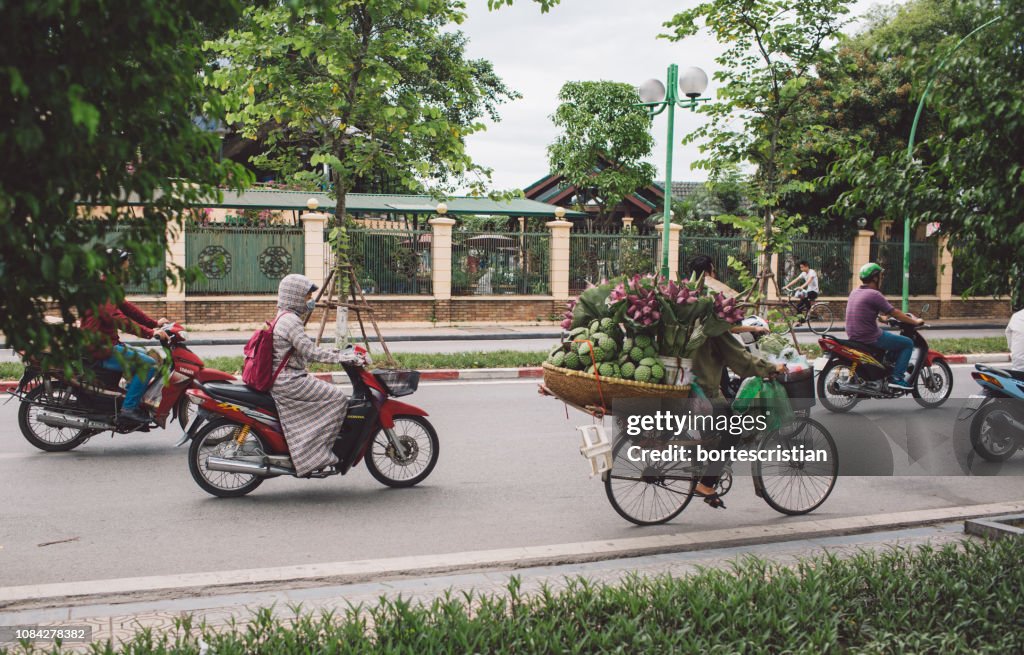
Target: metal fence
[
  {"x": 500, "y": 263},
  {"x": 923, "y": 263},
  {"x": 719, "y": 249},
  {"x": 242, "y": 260},
  {"x": 830, "y": 259},
  {"x": 594, "y": 257},
  {"x": 389, "y": 262}
]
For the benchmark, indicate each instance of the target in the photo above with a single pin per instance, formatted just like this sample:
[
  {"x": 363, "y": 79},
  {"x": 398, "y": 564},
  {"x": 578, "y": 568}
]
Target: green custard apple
[
  {"x": 643, "y": 340},
  {"x": 648, "y": 362},
  {"x": 657, "y": 373},
  {"x": 572, "y": 361},
  {"x": 636, "y": 354},
  {"x": 607, "y": 370},
  {"x": 627, "y": 345},
  {"x": 642, "y": 374},
  {"x": 558, "y": 359},
  {"x": 650, "y": 351},
  {"x": 627, "y": 370},
  {"x": 607, "y": 343}
]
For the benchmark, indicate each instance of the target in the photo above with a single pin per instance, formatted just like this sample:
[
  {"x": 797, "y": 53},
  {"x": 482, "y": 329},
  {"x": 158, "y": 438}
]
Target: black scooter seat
[{"x": 233, "y": 391}]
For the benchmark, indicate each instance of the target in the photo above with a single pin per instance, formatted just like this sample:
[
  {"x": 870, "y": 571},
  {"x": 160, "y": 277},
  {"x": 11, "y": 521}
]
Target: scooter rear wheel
[
  {"x": 831, "y": 398},
  {"x": 986, "y": 438},
  {"x": 212, "y": 437},
  {"x": 42, "y": 436},
  {"x": 419, "y": 440}
]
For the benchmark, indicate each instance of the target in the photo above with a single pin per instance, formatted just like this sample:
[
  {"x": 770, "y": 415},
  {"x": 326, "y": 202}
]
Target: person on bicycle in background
[
  {"x": 808, "y": 289},
  {"x": 863, "y": 308},
  {"x": 113, "y": 355}
]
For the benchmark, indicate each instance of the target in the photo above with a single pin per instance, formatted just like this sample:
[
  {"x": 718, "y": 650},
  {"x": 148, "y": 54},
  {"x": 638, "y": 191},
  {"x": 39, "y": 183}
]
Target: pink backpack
[{"x": 258, "y": 370}]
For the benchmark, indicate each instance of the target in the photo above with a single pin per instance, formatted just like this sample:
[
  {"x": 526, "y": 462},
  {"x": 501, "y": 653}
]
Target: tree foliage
[
  {"x": 772, "y": 47},
  {"x": 366, "y": 87},
  {"x": 99, "y": 102},
  {"x": 604, "y": 141},
  {"x": 968, "y": 173}
]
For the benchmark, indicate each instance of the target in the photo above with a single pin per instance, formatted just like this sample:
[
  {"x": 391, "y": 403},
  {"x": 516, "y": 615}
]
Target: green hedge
[{"x": 958, "y": 599}]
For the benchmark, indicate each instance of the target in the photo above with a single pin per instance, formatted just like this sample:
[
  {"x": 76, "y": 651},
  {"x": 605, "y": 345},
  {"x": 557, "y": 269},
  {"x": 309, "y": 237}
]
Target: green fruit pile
[{"x": 602, "y": 348}]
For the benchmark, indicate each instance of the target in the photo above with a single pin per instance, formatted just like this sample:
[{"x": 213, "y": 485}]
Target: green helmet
[{"x": 869, "y": 269}]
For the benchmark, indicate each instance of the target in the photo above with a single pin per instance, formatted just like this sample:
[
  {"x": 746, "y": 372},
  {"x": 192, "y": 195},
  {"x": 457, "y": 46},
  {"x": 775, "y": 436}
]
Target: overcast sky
[{"x": 536, "y": 53}]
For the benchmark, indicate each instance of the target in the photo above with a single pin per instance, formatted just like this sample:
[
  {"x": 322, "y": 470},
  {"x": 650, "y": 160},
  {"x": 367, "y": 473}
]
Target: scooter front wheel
[
  {"x": 407, "y": 462},
  {"x": 934, "y": 384}
]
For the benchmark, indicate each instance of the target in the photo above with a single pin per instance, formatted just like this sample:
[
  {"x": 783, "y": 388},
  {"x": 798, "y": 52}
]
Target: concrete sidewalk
[{"x": 116, "y": 609}]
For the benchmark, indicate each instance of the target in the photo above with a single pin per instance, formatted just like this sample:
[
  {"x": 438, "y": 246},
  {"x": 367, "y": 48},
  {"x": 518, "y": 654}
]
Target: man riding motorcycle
[
  {"x": 862, "y": 311},
  {"x": 113, "y": 355}
]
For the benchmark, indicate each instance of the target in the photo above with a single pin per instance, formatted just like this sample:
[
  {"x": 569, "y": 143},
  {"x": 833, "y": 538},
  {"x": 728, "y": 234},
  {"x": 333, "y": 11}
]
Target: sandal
[{"x": 712, "y": 499}]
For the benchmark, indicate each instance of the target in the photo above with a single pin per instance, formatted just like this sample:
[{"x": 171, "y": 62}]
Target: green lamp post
[{"x": 656, "y": 98}]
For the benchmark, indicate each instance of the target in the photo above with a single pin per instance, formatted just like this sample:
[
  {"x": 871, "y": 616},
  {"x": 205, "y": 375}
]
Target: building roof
[{"x": 369, "y": 203}]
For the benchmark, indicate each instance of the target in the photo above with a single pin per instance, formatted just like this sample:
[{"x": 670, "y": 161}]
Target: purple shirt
[{"x": 862, "y": 310}]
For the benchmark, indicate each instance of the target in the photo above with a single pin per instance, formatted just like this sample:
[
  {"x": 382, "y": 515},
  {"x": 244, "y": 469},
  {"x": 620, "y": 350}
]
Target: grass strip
[
  {"x": 958, "y": 599},
  {"x": 519, "y": 359}
]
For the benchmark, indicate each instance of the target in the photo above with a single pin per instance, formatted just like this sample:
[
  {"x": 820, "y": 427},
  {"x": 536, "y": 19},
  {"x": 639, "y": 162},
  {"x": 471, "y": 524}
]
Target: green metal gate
[{"x": 242, "y": 260}]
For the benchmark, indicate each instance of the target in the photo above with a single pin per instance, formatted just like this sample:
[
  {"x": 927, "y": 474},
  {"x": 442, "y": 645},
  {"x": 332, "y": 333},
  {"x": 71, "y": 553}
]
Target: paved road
[
  {"x": 510, "y": 474},
  {"x": 490, "y": 345}
]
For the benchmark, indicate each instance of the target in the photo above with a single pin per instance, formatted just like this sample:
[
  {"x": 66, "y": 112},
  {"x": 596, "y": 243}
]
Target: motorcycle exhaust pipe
[
  {"x": 859, "y": 391},
  {"x": 67, "y": 421},
  {"x": 246, "y": 467}
]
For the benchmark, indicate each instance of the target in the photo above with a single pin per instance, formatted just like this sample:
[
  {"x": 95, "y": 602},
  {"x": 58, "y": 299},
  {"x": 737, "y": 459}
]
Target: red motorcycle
[
  {"x": 59, "y": 413},
  {"x": 858, "y": 370},
  {"x": 238, "y": 442}
]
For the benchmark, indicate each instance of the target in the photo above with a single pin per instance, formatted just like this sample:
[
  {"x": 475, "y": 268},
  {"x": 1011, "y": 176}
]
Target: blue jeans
[
  {"x": 902, "y": 346},
  {"x": 139, "y": 361}
]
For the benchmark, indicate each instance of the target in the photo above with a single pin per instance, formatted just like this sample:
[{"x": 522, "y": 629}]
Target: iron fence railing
[
  {"x": 923, "y": 264},
  {"x": 594, "y": 257},
  {"x": 719, "y": 249},
  {"x": 242, "y": 260},
  {"x": 389, "y": 262},
  {"x": 500, "y": 263},
  {"x": 830, "y": 259}
]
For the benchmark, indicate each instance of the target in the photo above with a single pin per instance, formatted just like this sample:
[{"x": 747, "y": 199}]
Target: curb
[{"x": 190, "y": 585}]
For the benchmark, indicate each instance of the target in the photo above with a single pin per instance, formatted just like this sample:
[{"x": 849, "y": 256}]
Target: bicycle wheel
[
  {"x": 801, "y": 484},
  {"x": 819, "y": 318},
  {"x": 647, "y": 493}
]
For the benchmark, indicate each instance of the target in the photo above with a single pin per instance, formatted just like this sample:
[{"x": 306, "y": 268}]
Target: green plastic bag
[
  {"x": 775, "y": 402},
  {"x": 749, "y": 391}
]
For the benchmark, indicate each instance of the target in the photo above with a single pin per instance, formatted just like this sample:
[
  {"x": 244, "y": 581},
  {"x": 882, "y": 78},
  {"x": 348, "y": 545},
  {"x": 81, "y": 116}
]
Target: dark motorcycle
[
  {"x": 59, "y": 413},
  {"x": 238, "y": 442},
  {"x": 856, "y": 371}
]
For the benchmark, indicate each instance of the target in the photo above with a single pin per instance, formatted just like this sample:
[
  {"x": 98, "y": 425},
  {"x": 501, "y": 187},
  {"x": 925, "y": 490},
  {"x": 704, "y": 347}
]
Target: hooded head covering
[{"x": 291, "y": 293}]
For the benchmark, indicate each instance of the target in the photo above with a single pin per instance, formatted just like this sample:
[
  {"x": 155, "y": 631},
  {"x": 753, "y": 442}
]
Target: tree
[
  {"x": 101, "y": 104},
  {"x": 968, "y": 175},
  {"x": 604, "y": 141},
  {"x": 364, "y": 87},
  {"x": 765, "y": 75}
]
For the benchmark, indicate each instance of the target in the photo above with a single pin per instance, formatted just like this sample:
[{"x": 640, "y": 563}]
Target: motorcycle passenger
[
  {"x": 116, "y": 356},
  {"x": 862, "y": 310},
  {"x": 1015, "y": 339},
  {"x": 311, "y": 410}
]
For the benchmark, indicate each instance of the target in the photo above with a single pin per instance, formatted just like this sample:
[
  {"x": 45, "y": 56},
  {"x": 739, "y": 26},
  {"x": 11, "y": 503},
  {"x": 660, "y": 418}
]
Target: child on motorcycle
[{"x": 311, "y": 411}]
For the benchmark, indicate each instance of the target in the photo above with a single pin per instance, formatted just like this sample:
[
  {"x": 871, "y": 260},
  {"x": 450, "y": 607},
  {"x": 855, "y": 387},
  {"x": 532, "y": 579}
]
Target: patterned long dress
[{"x": 311, "y": 410}]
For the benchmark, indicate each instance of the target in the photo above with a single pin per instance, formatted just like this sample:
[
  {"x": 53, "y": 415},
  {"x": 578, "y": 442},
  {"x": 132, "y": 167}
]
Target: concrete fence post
[
  {"x": 313, "y": 246},
  {"x": 441, "y": 256},
  {"x": 674, "y": 232},
  {"x": 860, "y": 255},
  {"x": 175, "y": 258},
  {"x": 558, "y": 273}
]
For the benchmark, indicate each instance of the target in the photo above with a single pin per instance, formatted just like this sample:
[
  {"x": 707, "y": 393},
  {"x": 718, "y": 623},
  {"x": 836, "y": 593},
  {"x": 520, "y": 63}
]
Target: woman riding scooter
[{"x": 311, "y": 411}]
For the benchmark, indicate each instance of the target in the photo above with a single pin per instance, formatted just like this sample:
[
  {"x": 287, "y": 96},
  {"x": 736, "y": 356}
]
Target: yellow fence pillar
[
  {"x": 441, "y": 257},
  {"x": 558, "y": 273},
  {"x": 860, "y": 255},
  {"x": 944, "y": 283}
]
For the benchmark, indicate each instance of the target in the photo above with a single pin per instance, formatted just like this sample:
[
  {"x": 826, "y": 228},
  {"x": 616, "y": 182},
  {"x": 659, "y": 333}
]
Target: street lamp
[{"x": 656, "y": 97}]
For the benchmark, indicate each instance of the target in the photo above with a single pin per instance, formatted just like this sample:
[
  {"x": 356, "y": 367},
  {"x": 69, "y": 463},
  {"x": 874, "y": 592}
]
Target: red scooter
[
  {"x": 60, "y": 413},
  {"x": 856, "y": 371},
  {"x": 238, "y": 442}
]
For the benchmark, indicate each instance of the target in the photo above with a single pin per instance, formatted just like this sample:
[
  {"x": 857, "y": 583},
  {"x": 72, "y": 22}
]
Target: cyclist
[
  {"x": 862, "y": 310},
  {"x": 808, "y": 289}
]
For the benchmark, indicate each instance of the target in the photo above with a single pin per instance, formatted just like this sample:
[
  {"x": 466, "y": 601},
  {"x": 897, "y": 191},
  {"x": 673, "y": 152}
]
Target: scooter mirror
[{"x": 925, "y": 307}]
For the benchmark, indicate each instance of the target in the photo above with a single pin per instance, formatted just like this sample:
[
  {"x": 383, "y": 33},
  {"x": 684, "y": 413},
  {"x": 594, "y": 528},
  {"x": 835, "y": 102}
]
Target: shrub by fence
[{"x": 243, "y": 260}]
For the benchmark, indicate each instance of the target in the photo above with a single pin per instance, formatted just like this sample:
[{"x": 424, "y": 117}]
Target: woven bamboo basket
[{"x": 582, "y": 389}]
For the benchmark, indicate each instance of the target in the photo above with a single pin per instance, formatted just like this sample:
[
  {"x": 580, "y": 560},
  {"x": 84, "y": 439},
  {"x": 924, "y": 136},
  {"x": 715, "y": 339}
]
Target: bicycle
[
  {"x": 818, "y": 316},
  {"x": 655, "y": 492}
]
